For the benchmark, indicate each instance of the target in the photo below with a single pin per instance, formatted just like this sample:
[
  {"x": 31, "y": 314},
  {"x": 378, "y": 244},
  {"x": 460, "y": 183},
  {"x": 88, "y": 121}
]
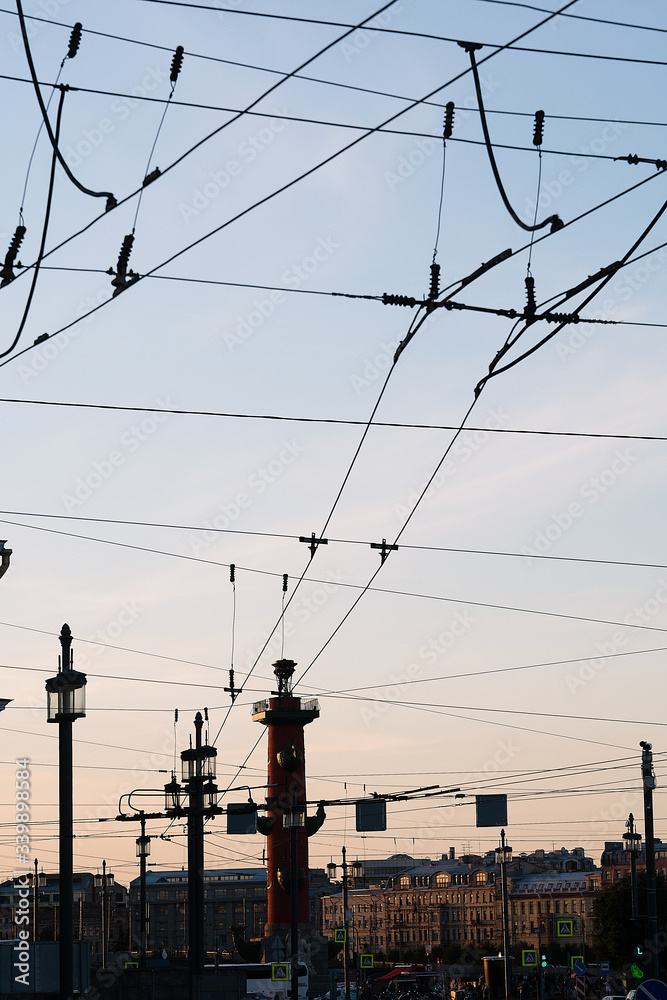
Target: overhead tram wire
[
  {"x": 316, "y": 692},
  {"x": 363, "y": 588},
  {"x": 45, "y": 227},
  {"x": 294, "y": 180},
  {"x": 254, "y": 103},
  {"x": 380, "y": 29},
  {"x": 300, "y": 579},
  {"x": 409, "y": 133},
  {"x": 213, "y": 232},
  {"x": 494, "y": 371},
  {"x": 577, "y": 17},
  {"x": 403, "y": 31},
  {"x": 111, "y": 201},
  {"x": 113, "y": 407},
  {"x": 343, "y": 86},
  {"x": 354, "y": 458}
]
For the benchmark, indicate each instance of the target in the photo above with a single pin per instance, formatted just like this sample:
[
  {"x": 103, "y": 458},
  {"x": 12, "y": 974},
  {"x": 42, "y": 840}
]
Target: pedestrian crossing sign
[
  {"x": 280, "y": 972},
  {"x": 529, "y": 958},
  {"x": 365, "y": 961},
  {"x": 340, "y": 935},
  {"x": 564, "y": 928}
]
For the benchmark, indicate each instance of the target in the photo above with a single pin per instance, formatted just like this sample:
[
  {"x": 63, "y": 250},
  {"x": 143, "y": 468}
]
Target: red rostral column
[{"x": 285, "y": 716}]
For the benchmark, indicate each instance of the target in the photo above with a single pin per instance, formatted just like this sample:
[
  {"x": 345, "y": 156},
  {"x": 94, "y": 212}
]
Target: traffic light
[
  {"x": 637, "y": 938},
  {"x": 543, "y": 960}
]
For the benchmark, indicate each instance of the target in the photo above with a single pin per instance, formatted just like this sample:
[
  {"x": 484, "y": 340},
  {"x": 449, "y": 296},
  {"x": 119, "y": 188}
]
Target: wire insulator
[
  {"x": 232, "y": 573},
  {"x": 398, "y": 300},
  {"x": 124, "y": 278},
  {"x": 7, "y": 272},
  {"x": 449, "y": 119},
  {"x": 538, "y": 129},
  {"x": 176, "y": 63},
  {"x": 434, "y": 290},
  {"x": 125, "y": 251},
  {"x": 633, "y": 159},
  {"x": 285, "y": 578},
  {"x": 175, "y": 716},
  {"x": 531, "y": 305},
  {"x": 74, "y": 40}
]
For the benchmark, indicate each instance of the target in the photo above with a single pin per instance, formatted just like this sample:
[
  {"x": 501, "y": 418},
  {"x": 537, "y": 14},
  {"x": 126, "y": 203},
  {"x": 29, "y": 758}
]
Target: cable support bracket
[
  {"x": 633, "y": 159},
  {"x": 313, "y": 542},
  {"x": 385, "y": 548}
]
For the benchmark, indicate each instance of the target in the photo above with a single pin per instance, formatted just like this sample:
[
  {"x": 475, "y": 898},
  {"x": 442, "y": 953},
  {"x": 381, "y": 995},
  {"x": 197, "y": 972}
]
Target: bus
[{"x": 263, "y": 982}]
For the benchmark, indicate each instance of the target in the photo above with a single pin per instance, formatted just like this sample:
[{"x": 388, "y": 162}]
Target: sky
[{"x": 241, "y": 394}]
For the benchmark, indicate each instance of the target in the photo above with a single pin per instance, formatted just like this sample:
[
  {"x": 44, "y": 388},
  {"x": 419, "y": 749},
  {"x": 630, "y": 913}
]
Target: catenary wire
[{"x": 363, "y": 588}]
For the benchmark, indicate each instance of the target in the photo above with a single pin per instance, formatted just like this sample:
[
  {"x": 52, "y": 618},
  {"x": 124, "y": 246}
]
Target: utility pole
[
  {"x": 648, "y": 781},
  {"x": 346, "y": 956},
  {"x": 35, "y": 910},
  {"x": 503, "y": 856}
]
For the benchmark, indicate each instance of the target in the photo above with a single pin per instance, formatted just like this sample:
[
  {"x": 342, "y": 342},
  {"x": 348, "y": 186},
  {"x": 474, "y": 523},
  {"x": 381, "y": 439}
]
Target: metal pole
[
  {"x": 648, "y": 780},
  {"x": 196, "y": 868},
  {"x": 506, "y": 925},
  {"x": 346, "y": 958},
  {"x": 540, "y": 970},
  {"x": 142, "y": 896},
  {"x": 104, "y": 914},
  {"x": 633, "y": 866},
  {"x": 35, "y": 910},
  {"x": 66, "y": 853}
]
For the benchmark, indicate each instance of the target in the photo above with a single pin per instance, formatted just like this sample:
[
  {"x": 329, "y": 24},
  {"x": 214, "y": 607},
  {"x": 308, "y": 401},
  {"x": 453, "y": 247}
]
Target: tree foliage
[{"x": 612, "y": 911}]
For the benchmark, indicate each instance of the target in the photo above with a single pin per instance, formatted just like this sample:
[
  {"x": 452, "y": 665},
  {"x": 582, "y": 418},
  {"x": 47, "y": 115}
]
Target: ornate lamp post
[
  {"x": 503, "y": 857},
  {"x": 66, "y": 702},
  {"x": 198, "y": 772}
]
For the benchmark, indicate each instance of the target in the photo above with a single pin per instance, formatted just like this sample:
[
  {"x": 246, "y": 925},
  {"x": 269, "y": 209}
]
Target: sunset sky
[{"x": 240, "y": 394}]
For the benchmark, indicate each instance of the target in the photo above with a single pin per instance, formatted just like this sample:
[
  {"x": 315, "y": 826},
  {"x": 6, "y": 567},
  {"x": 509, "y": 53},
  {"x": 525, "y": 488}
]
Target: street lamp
[
  {"x": 66, "y": 702},
  {"x": 503, "y": 857}
]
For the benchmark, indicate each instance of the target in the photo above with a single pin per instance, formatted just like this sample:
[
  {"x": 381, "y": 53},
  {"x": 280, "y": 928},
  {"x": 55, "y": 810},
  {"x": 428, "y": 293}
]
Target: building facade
[{"x": 235, "y": 900}]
